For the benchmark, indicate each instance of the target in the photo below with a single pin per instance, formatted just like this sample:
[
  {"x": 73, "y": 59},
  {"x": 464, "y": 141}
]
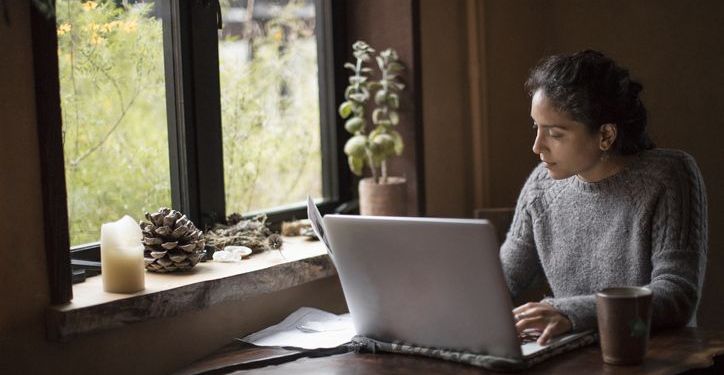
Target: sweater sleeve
[
  {"x": 678, "y": 246},
  {"x": 580, "y": 310},
  {"x": 518, "y": 253}
]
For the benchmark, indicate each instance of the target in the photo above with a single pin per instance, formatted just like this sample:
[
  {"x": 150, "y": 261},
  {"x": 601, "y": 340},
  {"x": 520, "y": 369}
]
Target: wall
[
  {"x": 153, "y": 347},
  {"x": 674, "y": 48},
  {"x": 445, "y": 89}
]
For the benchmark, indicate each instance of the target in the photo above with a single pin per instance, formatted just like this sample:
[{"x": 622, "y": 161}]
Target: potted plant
[{"x": 372, "y": 145}]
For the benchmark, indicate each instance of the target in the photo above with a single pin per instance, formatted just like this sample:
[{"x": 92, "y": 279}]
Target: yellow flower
[
  {"x": 129, "y": 26},
  {"x": 89, "y": 5},
  {"x": 94, "y": 27},
  {"x": 64, "y": 28},
  {"x": 96, "y": 39},
  {"x": 277, "y": 35}
]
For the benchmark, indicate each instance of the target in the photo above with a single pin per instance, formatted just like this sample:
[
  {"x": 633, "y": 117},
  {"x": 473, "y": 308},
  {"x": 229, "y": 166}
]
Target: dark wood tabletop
[{"x": 689, "y": 350}]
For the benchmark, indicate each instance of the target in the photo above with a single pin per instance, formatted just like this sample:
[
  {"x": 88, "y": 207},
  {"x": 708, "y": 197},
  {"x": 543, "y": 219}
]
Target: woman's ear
[{"x": 608, "y": 133}]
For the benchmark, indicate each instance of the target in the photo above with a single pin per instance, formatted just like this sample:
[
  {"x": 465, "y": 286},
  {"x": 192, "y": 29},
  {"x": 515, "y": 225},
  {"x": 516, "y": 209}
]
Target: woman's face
[{"x": 566, "y": 146}]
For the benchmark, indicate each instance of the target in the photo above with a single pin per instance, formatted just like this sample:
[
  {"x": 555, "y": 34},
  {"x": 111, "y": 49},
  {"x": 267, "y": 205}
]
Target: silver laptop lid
[{"x": 431, "y": 282}]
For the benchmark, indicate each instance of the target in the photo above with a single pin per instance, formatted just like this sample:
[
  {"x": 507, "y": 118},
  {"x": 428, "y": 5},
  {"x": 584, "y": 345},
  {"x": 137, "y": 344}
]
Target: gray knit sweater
[{"x": 645, "y": 226}]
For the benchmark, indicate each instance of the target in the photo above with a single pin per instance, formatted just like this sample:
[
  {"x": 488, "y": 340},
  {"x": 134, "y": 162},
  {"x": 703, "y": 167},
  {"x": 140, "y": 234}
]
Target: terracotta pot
[{"x": 389, "y": 199}]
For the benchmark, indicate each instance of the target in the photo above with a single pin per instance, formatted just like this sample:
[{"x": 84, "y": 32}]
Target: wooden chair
[{"x": 500, "y": 217}]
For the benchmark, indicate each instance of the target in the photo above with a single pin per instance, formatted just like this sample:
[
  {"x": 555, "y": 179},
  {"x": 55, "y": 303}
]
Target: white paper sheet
[{"x": 306, "y": 328}]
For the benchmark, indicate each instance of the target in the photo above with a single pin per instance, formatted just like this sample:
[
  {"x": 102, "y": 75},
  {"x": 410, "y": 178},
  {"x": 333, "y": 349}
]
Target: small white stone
[
  {"x": 238, "y": 251},
  {"x": 224, "y": 256}
]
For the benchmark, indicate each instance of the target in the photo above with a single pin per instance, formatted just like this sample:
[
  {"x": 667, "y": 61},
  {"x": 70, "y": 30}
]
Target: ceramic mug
[{"x": 624, "y": 321}]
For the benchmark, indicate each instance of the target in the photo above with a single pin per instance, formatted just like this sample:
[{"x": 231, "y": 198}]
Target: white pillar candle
[{"x": 122, "y": 266}]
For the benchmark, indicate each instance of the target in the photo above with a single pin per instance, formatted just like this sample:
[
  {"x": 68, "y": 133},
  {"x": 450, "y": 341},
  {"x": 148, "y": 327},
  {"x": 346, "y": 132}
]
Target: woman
[{"x": 604, "y": 207}]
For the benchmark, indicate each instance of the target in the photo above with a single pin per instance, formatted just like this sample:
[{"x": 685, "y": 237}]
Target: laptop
[{"x": 428, "y": 282}]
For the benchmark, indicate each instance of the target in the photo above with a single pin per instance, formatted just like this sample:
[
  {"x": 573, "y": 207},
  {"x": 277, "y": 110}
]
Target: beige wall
[
  {"x": 672, "y": 46},
  {"x": 154, "y": 347}
]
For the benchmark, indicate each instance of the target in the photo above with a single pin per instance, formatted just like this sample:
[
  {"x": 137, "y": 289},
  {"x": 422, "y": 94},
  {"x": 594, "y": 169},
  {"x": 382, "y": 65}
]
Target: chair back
[{"x": 500, "y": 217}]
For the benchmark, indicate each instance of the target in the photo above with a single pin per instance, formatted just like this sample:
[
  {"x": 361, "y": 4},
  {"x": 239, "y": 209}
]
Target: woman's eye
[
  {"x": 550, "y": 132},
  {"x": 554, "y": 134}
]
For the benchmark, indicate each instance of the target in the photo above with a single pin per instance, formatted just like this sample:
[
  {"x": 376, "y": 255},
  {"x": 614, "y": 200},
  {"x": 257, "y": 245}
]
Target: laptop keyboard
[{"x": 528, "y": 336}]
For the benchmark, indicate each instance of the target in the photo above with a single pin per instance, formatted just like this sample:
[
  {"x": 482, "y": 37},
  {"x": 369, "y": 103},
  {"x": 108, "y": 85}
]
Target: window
[
  {"x": 269, "y": 104},
  {"x": 161, "y": 105},
  {"x": 115, "y": 140},
  {"x": 194, "y": 111}
]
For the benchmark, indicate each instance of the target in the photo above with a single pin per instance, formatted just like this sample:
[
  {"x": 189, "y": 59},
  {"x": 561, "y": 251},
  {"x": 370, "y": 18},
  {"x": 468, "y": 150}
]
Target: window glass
[
  {"x": 114, "y": 112},
  {"x": 269, "y": 103}
]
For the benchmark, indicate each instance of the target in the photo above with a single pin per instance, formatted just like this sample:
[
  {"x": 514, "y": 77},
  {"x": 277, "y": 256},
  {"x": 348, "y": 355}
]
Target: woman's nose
[{"x": 537, "y": 142}]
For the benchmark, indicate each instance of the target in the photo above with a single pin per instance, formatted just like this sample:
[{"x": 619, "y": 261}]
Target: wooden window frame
[{"x": 195, "y": 84}]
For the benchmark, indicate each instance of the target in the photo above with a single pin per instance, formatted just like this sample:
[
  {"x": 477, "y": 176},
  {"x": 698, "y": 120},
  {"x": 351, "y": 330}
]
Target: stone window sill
[{"x": 209, "y": 283}]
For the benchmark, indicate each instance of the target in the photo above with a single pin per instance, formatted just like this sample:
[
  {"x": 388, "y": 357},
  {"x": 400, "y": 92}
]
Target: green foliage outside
[
  {"x": 270, "y": 116},
  {"x": 114, "y": 113},
  {"x": 114, "y": 116}
]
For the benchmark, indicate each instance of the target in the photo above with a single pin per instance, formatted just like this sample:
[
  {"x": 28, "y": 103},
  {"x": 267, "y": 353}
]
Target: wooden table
[{"x": 689, "y": 350}]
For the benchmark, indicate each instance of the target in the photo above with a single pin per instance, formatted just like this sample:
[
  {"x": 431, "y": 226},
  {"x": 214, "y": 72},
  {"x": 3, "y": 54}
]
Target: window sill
[{"x": 207, "y": 284}]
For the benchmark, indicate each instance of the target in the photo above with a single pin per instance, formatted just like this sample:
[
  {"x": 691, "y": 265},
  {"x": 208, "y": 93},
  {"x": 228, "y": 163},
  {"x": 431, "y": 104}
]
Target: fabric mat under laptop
[{"x": 489, "y": 362}]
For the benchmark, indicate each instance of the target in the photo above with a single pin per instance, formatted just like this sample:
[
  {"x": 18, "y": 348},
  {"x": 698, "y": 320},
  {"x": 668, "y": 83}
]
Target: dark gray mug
[{"x": 624, "y": 321}]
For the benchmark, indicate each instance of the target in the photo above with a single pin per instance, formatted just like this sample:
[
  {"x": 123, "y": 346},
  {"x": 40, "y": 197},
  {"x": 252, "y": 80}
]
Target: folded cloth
[{"x": 490, "y": 362}]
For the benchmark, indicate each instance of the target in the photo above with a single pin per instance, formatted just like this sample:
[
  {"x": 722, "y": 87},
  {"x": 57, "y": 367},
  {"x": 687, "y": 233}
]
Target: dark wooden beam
[{"x": 52, "y": 167}]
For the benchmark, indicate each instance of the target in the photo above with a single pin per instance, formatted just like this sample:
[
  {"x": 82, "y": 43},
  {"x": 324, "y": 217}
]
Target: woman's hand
[{"x": 542, "y": 317}]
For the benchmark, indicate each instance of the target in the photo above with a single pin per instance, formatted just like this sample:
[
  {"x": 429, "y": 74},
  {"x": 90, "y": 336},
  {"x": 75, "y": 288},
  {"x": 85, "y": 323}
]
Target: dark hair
[{"x": 594, "y": 90}]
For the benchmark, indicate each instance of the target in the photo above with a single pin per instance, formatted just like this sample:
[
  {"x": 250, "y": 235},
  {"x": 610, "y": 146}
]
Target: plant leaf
[
  {"x": 354, "y": 125},
  {"x": 376, "y": 115},
  {"x": 356, "y": 164},
  {"x": 393, "y": 101},
  {"x": 376, "y": 131},
  {"x": 395, "y": 67},
  {"x": 358, "y": 97},
  {"x": 345, "y": 109},
  {"x": 356, "y": 146},
  {"x": 360, "y": 79},
  {"x": 384, "y": 123},
  {"x": 394, "y": 117},
  {"x": 374, "y": 85},
  {"x": 399, "y": 145}
]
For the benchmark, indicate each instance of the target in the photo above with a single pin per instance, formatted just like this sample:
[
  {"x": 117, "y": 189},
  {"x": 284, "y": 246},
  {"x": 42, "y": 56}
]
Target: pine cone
[{"x": 171, "y": 241}]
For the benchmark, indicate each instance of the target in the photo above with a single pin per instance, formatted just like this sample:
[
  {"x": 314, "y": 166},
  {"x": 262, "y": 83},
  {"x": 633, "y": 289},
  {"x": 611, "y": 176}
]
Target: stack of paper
[{"x": 306, "y": 328}]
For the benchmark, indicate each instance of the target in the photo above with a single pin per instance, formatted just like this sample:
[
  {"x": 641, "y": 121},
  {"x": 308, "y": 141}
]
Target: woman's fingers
[
  {"x": 542, "y": 317},
  {"x": 548, "y": 332},
  {"x": 535, "y": 311},
  {"x": 537, "y": 322},
  {"x": 527, "y": 306},
  {"x": 525, "y": 311}
]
